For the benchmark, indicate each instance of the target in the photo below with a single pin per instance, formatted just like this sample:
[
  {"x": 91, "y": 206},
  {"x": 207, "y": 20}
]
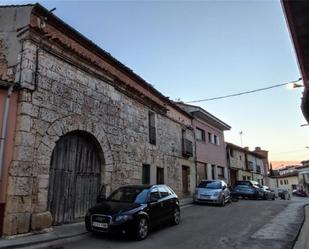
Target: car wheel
[
  {"x": 222, "y": 201},
  {"x": 142, "y": 229},
  {"x": 176, "y": 216}
]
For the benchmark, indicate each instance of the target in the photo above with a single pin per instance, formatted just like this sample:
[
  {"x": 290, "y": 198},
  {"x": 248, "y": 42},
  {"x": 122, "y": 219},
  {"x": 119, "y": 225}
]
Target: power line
[{"x": 246, "y": 92}]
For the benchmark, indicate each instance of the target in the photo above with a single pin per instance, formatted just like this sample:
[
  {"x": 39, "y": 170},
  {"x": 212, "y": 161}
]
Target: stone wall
[{"x": 67, "y": 98}]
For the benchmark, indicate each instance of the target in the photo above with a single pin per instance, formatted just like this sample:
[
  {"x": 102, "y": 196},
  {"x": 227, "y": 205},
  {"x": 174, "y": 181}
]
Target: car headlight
[
  {"x": 216, "y": 194},
  {"x": 122, "y": 217}
]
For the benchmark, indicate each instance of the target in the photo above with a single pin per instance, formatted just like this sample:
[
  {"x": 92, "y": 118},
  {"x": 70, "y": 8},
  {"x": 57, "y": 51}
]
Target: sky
[{"x": 191, "y": 50}]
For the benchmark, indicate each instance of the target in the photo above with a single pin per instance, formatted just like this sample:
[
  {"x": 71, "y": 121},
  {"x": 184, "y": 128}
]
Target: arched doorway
[{"x": 74, "y": 177}]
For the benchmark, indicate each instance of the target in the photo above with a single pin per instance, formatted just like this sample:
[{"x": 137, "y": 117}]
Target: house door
[
  {"x": 233, "y": 173},
  {"x": 160, "y": 175},
  {"x": 74, "y": 180},
  {"x": 185, "y": 180}
]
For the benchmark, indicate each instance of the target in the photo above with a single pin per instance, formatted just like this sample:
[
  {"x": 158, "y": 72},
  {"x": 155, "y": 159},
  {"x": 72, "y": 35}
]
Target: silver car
[{"x": 213, "y": 191}]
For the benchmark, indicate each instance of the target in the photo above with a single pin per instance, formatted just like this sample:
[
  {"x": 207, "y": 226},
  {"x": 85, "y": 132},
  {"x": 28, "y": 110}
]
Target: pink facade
[{"x": 207, "y": 152}]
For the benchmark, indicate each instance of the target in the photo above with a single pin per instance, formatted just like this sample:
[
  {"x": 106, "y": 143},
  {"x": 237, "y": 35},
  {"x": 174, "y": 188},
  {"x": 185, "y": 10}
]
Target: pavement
[
  {"x": 56, "y": 233},
  {"x": 302, "y": 241}
]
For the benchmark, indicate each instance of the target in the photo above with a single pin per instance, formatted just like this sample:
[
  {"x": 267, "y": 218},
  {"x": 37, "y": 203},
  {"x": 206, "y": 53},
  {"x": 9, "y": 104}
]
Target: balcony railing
[
  {"x": 250, "y": 166},
  {"x": 258, "y": 169},
  {"x": 187, "y": 148}
]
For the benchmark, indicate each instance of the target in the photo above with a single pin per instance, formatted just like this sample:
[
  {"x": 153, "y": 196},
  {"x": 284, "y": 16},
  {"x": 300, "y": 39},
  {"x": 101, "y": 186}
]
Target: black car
[
  {"x": 247, "y": 191},
  {"x": 133, "y": 210}
]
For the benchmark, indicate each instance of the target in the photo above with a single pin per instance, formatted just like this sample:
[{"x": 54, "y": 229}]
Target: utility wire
[{"x": 243, "y": 93}]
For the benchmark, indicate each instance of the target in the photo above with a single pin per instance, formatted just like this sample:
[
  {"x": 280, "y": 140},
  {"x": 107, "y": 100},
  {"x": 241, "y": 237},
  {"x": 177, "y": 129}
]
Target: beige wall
[{"x": 292, "y": 180}]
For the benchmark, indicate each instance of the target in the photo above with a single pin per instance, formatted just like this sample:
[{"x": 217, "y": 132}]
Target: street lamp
[{"x": 293, "y": 85}]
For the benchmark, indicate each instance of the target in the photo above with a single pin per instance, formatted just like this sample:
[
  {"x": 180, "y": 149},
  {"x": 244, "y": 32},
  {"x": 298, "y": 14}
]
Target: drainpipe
[{"x": 4, "y": 127}]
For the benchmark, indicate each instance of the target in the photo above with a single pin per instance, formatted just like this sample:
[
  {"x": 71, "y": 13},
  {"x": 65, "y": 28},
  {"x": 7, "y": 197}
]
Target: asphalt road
[{"x": 244, "y": 224}]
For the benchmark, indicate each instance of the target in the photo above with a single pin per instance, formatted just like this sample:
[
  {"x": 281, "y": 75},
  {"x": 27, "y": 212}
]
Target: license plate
[{"x": 99, "y": 224}]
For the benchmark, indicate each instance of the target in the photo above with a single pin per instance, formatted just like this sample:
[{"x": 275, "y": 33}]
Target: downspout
[{"x": 4, "y": 127}]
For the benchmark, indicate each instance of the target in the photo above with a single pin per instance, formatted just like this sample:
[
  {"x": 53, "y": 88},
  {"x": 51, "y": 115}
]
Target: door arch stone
[{"x": 74, "y": 176}]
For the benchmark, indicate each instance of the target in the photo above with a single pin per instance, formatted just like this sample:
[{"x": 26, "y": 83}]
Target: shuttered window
[{"x": 152, "y": 128}]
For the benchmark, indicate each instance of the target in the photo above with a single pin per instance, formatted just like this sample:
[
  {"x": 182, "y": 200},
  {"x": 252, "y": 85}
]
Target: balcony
[
  {"x": 258, "y": 169},
  {"x": 187, "y": 148},
  {"x": 250, "y": 166}
]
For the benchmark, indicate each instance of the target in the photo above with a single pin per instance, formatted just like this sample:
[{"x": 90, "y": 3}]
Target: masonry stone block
[
  {"x": 19, "y": 186},
  {"x": 16, "y": 223},
  {"x": 40, "y": 221}
]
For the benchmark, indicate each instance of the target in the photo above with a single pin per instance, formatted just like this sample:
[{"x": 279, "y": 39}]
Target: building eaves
[
  {"x": 297, "y": 18},
  {"x": 206, "y": 116},
  {"x": 70, "y": 31},
  {"x": 290, "y": 174}
]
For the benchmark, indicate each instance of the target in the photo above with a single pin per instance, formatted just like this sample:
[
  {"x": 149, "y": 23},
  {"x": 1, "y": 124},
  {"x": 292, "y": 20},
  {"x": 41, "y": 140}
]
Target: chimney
[{"x": 257, "y": 148}]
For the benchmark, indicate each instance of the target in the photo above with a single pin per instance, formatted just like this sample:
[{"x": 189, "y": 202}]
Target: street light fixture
[{"x": 294, "y": 85}]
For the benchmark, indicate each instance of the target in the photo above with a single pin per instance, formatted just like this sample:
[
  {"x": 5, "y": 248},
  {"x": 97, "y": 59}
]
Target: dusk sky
[{"x": 192, "y": 50}]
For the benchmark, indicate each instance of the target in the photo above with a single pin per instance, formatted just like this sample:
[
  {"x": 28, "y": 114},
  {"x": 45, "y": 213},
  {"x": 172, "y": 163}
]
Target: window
[
  {"x": 163, "y": 191},
  {"x": 146, "y": 174},
  {"x": 220, "y": 172},
  {"x": 232, "y": 152},
  {"x": 154, "y": 194},
  {"x": 244, "y": 178},
  {"x": 294, "y": 186},
  {"x": 240, "y": 157},
  {"x": 152, "y": 128},
  {"x": 160, "y": 175},
  {"x": 209, "y": 137},
  {"x": 216, "y": 140},
  {"x": 200, "y": 134},
  {"x": 281, "y": 182}
]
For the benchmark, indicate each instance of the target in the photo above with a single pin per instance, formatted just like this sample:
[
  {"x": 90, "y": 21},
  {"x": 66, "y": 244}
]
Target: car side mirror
[
  {"x": 101, "y": 198},
  {"x": 224, "y": 187}
]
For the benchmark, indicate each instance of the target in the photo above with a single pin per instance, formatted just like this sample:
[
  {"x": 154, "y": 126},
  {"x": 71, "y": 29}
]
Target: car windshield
[
  {"x": 129, "y": 194},
  {"x": 210, "y": 184}
]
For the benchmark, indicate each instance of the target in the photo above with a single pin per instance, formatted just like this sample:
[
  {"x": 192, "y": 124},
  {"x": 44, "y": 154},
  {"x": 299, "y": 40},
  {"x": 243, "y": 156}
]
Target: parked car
[
  {"x": 284, "y": 194},
  {"x": 215, "y": 191},
  {"x": 134, "y": 210},
  {"x": 248, "y": 191},
  {"x": 247, "y": 182},
  {"x": 299, "y": 192},
  {"x": 268, "y": 193}
]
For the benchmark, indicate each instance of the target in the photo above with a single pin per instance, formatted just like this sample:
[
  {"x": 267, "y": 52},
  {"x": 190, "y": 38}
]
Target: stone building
[
  {"x": 84, "y": 122},
  {"x": 209, "y": 142},
  {"x": 245, "y": 164}
]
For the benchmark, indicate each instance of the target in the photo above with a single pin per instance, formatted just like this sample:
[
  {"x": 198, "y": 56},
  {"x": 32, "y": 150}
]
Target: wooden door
[
  {"x": 160, "y": 175},
  {"x": 233, "y": 173},
  {"x": 74, "y": 180},
  {"x": 185, "y": 180}
]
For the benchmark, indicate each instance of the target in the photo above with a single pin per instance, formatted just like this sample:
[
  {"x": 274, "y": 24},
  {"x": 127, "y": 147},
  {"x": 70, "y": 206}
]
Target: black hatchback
[{"x": 133, "y": 210}]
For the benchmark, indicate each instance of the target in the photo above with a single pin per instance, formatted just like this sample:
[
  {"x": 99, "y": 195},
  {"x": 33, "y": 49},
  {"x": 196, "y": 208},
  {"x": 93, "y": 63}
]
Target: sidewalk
[
  {"x": 57, "y": 233},
  {"x": 302, "y": 240}
]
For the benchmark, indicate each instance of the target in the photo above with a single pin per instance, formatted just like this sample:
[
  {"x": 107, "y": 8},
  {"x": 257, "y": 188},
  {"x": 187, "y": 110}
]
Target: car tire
[
  {"x": 176, "y": 216},
  {"x": 142, "y": 229},
  {"x": 222, "y": 203}
]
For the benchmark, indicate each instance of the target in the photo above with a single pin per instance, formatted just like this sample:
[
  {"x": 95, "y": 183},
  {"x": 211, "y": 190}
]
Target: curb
[{"x": 301, "y": 227}]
